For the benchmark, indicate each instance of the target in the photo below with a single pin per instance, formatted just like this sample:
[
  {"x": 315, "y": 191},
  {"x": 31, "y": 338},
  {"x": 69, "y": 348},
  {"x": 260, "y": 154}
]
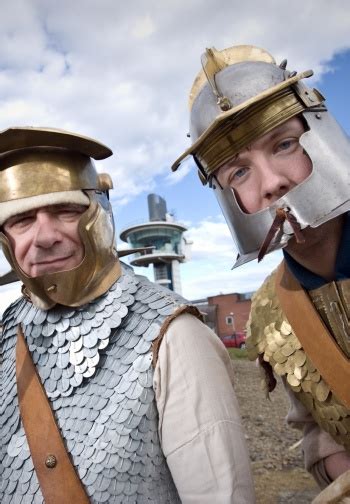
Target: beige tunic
[{"x": 199, "y": 423}]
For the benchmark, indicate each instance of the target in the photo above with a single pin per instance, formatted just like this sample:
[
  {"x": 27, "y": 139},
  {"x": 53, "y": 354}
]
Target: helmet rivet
[
  {"x": 224, "y": 103},
  {"x": 318, "y": 116},
  {"x": 51, "y": 461},
  {"x": 283, "y": 64},
  {"x": 52, "y": 288}
]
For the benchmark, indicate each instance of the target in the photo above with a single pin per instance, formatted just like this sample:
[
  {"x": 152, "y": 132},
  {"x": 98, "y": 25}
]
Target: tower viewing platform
[{"x": 166, "y": 237}]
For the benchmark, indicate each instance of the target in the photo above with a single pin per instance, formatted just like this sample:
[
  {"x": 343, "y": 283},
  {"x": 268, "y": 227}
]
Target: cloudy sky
[{"x": 121, "y": 72}]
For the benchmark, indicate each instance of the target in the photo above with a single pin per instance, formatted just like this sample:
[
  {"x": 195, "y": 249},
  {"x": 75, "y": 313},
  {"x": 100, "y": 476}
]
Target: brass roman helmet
[{"x": 39, "y": 167}]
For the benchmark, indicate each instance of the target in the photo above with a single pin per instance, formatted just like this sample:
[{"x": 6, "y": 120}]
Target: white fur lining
[{"x": 10, "y": 208}]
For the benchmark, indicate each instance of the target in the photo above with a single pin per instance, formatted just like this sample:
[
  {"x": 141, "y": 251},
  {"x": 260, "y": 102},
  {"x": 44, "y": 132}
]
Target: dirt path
[{"x": 278, "y": 471}]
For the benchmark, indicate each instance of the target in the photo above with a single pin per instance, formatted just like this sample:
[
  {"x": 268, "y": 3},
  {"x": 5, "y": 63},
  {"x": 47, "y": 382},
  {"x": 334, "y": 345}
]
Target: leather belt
[{"x": 57, "y": 477}]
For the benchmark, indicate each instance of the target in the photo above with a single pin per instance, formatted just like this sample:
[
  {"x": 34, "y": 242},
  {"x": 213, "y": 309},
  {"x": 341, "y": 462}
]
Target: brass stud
[
  {"x": 51, "y": 461},
  {"x": 52, "y": 288}
]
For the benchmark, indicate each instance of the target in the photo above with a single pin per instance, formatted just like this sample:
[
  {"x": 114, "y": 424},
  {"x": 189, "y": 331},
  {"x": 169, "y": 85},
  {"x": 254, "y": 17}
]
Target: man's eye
[
  {"x": 70, "y": 215},
  {"x": 285, "y": 144},
  {"x": 21, "y": 222},
  {"x": 238, "y": 173},
  {"x": 288, "y": 144},
  {"x": 241, "y": 171},
  {"x": 70, "y": 211}
]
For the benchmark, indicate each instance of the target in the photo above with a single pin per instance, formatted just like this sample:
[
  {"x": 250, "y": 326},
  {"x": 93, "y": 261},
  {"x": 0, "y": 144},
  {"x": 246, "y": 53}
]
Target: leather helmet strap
[
  {"x": 57, "y": 477},
  {"x": 312, "y": 333}
]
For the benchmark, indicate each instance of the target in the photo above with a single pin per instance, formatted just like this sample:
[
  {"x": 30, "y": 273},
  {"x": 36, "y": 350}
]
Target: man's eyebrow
[
  {"x": 65, "y": 205},
  {"x": 21, "y": 215},
  {"x": 232, "y": 160},
  {"x": 283, "y": 128}
]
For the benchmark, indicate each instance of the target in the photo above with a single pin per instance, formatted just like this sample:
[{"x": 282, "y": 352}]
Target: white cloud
[
  {"x": 121, "y": 72},
  {"x": 143, "y": 27},
  {"x": 99, "y": 69},
  {"x": 211, "y": 238},
  {"x": 208, "y": 278},
  {"x": 213, "y": 255}
]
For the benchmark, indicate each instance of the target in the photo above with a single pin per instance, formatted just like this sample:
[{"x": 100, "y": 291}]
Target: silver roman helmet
[
  {"x": 40, "y": 167},
  {"x": 240, "y": 95}
]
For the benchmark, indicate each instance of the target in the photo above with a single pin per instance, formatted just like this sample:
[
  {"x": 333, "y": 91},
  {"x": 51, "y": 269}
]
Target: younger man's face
[{"x": 270, "y": 167}]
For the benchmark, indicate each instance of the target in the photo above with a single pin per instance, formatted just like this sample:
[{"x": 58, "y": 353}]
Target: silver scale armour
[{"x": 95, "y": 364}]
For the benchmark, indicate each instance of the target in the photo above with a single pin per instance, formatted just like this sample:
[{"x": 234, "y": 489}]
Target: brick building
[{"x": 226, "y": 313}]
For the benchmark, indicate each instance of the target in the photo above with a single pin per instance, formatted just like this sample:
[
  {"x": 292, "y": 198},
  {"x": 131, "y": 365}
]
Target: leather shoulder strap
[
  {"x": 58, "y": 480},
  {"x": 312, "y": 333},
  {"x": 192, "y": 310}
]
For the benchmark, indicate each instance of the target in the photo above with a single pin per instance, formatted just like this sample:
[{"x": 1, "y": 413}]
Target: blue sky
[{"x": 122, "y": 72}]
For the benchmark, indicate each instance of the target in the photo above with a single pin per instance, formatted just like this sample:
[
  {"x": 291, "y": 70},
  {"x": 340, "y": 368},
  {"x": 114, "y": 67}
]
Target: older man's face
[
  {"x": 46, "y": 240},
  {"x": 269, "y": 168}
]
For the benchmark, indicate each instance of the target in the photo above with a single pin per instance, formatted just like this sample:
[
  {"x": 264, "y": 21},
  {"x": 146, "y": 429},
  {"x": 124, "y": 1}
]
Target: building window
[{"x": 229, "y": 320}]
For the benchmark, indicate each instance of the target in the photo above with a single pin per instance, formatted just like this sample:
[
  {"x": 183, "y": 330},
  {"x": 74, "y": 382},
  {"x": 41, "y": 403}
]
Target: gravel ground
[{"x": 277, "y": 465}]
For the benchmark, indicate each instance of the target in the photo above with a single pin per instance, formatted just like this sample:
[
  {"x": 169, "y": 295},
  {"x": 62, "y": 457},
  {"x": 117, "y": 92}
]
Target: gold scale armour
[{"x": 272, "y": 337}]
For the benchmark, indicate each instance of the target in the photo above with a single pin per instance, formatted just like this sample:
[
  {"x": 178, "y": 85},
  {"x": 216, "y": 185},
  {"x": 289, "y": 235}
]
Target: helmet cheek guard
[{"x": 328, "y": 148}]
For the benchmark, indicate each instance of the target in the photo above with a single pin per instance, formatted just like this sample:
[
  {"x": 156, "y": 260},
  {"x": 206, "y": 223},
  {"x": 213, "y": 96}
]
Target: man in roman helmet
[
  {"x": 112, "y": 390},
  {"x": 279, "y": 166}
]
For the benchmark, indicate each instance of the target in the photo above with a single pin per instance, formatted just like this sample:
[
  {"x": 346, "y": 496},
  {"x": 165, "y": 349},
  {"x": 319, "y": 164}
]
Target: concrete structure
[{"x": 166, "y": 237}]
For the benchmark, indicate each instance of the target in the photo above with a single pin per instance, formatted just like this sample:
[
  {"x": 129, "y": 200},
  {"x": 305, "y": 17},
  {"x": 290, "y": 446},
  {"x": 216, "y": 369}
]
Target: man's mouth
[
  {"x": 54, "y": 260},
  {"x": 52, "y": 265}
]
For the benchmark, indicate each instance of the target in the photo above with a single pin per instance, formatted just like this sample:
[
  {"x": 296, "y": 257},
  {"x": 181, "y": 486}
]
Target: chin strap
[
  {"x": 59, "y": 482},
  {"x": 282, "y": 214}
]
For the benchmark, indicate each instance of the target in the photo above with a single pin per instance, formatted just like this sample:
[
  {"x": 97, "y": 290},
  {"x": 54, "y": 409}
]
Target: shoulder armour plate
[{"x": 271, "y": 336}]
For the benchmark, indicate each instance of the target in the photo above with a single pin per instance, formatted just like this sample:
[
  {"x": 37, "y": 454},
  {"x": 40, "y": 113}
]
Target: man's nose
[
  {"x": 47, "y": 232},
  {"x": 274, "y": 180}
]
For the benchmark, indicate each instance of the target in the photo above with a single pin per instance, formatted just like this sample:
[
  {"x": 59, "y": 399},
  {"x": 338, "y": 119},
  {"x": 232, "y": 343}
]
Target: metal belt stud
[{"x": 51, "y": 461}]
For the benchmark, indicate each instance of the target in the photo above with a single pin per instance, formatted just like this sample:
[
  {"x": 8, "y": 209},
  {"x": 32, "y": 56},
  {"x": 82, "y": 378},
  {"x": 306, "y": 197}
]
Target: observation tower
[{"x": 161, "y": 232}]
